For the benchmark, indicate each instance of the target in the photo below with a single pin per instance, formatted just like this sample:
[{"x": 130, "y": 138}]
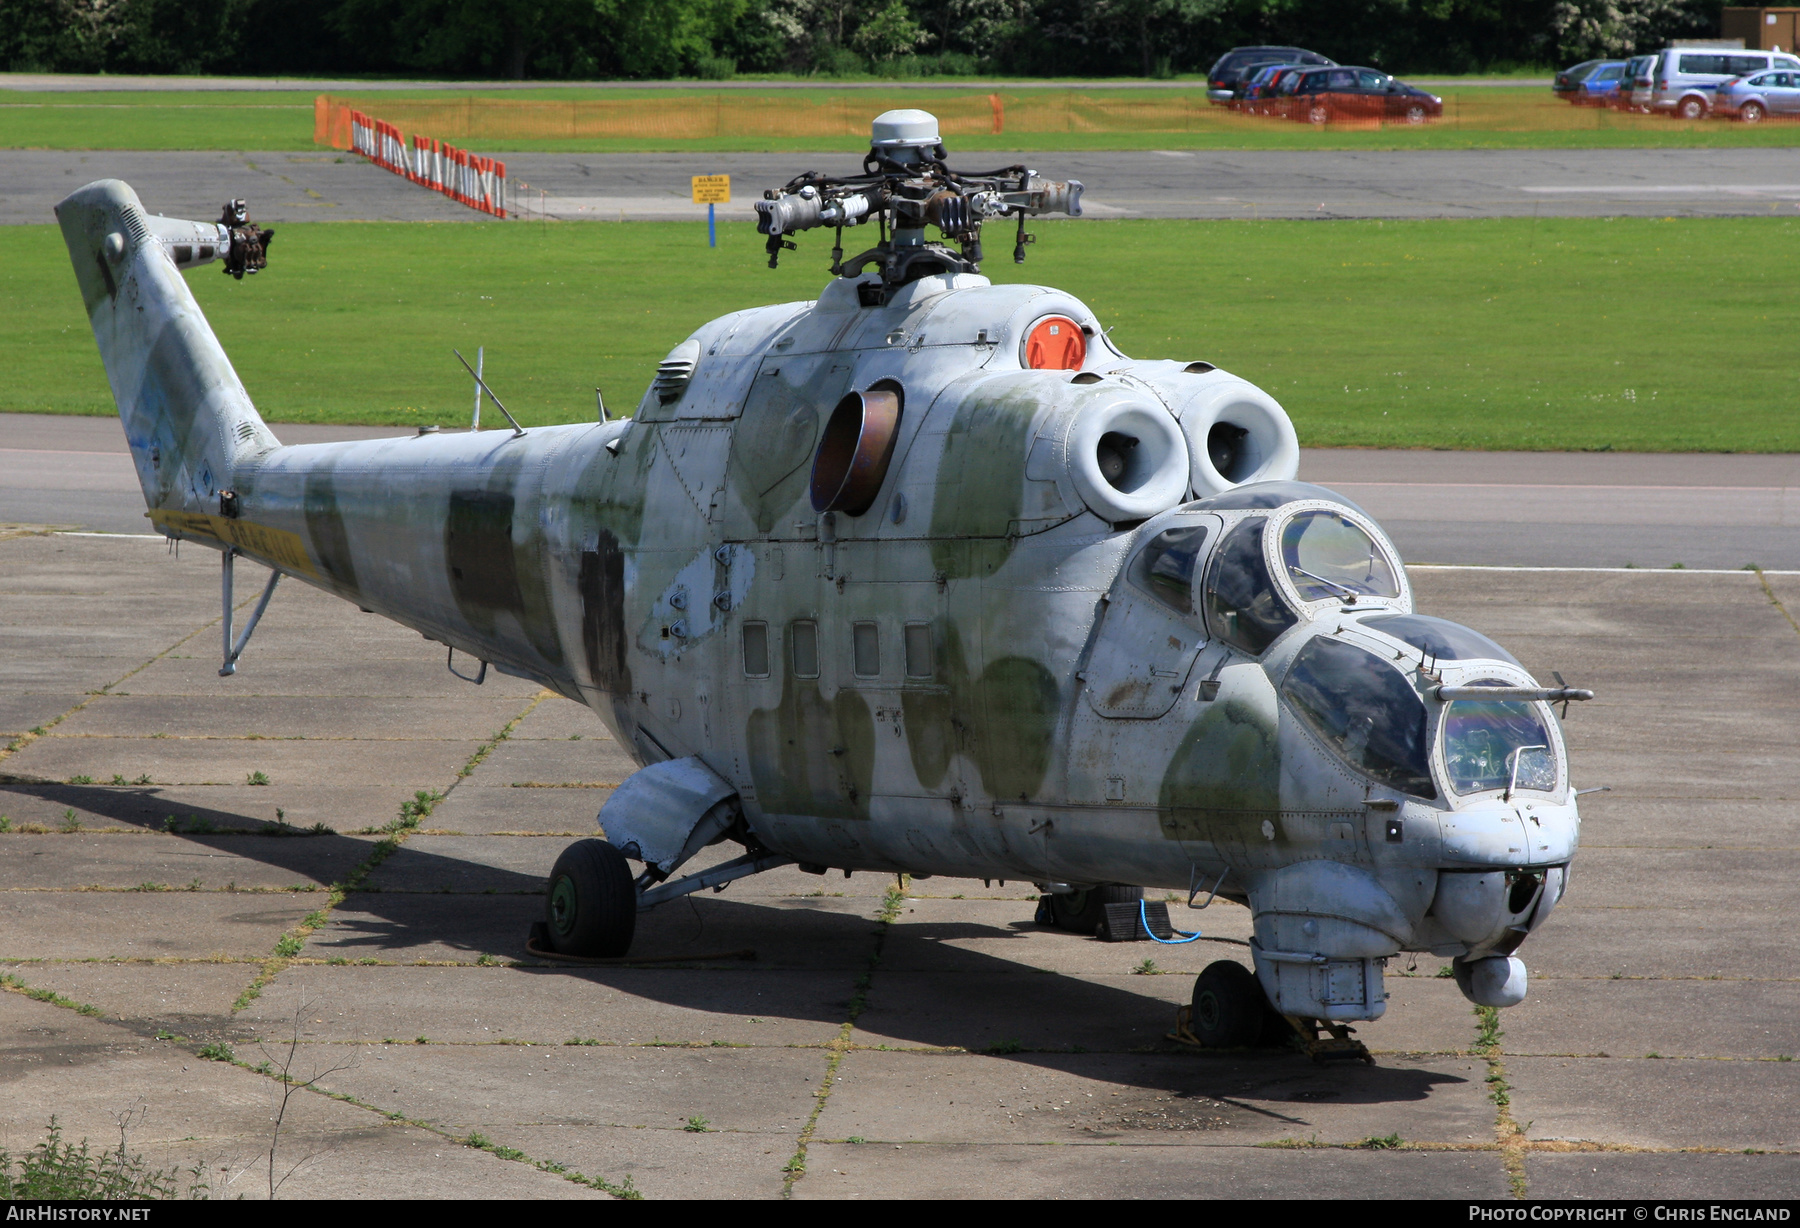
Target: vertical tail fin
[{"x": 187, "y": 417}]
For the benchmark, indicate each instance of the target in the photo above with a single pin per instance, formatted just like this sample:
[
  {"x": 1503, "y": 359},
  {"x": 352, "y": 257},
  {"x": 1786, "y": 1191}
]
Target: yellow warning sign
[{"x": 712, "y": 189}]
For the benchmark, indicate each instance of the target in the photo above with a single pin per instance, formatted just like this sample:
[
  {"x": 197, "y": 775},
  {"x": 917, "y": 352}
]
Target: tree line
[{"x": 902, "y": 39}]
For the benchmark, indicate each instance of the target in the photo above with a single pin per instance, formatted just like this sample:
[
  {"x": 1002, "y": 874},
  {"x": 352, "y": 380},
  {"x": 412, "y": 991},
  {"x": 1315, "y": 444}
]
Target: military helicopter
[{"x": 924, "y": 576}]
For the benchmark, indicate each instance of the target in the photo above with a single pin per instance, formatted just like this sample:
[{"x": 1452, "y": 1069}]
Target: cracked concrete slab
[
  {"x": 723, "y": 1002},
  {"x": 1733, "y": 1178},
  {"x": 222, "y": 1118},
  {"x": 1669, "y": 1103},
  {"x": 1145, "y": 1171},
  {"x": 1635, "y": 1018},
  {"x": 146, "y": 925},
  {"x": 193, "y": 1000},
  {"x": 170, "y": 862},
  {"x": 1188, "y": 1099}
]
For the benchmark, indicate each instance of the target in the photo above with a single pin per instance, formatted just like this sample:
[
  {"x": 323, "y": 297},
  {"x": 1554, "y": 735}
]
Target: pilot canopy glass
[
  {"x": 1365, "y": 710},
  {"x": 1485, "y": 738},
  {"x": 1242, "y": 605},
  {"x": 1164, "y": 568},
  {"x": 1328, "y": 556}
]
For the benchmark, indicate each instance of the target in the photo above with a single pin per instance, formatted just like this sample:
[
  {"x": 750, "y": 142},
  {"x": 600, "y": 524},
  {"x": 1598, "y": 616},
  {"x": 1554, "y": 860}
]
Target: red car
[{"x": 1322, "y": 95}]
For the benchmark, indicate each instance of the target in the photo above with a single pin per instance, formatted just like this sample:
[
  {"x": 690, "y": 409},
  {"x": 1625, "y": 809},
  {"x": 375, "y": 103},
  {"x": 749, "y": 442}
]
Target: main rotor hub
[{"x": 907, "y": 186}]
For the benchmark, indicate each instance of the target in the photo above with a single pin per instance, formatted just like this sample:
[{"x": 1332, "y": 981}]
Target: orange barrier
[
  {"x": 682, "y": 118},
  {"x": 466, "y": 178}
]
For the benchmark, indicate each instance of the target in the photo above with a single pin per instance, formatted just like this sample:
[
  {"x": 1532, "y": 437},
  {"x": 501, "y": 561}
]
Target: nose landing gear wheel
[
  {"x": 1229, "y": 1010},
  {"x": 590, "y": 908}
]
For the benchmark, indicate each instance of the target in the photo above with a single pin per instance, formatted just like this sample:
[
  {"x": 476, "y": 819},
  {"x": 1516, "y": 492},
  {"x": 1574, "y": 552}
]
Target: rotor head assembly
[{"x": 907, "y": 188}]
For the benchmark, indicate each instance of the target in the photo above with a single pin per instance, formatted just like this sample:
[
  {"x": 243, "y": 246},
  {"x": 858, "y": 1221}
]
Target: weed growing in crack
[
  {"x": 55, "y": 1170},
  {"x": 257, "y": 778},
  {"x": 1488, "y": 1034},
  {"x": 217, "y": 1051},
  {"x": 1381, "y": 1142},
  {"x": 698, "y": 1125}
]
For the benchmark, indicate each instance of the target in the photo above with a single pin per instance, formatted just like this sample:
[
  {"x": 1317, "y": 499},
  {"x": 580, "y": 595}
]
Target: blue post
[{"x": 712, "y": 231}]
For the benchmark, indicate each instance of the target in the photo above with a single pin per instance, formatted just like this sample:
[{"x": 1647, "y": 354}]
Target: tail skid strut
[{"x": 234, "y": 651}]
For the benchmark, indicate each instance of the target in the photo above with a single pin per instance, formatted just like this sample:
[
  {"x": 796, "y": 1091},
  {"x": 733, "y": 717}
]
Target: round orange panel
[{"x": 1055, "y": 343}]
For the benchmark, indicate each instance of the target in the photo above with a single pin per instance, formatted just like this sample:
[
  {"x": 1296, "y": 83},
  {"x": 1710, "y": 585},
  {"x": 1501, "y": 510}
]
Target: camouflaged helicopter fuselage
[{"x": 1045, "y": 724}]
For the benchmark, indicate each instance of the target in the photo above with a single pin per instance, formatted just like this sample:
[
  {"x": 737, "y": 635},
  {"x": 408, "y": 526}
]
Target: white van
[{"x": 1683, "y": 78}]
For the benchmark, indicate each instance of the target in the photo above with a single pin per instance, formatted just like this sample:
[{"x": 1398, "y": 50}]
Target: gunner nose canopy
[{"x": 1365, "y": 710}]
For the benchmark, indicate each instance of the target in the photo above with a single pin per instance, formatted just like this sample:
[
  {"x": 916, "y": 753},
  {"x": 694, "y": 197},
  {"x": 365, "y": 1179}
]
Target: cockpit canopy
[
  {"x": 1266, "y": 569},
  {"x": 1303, "y": 554}
]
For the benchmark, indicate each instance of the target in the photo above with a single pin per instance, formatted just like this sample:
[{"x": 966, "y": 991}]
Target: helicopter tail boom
[{"x": 187, "y": 417}]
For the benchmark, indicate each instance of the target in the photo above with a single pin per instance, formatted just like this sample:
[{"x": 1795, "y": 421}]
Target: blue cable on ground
[{"x": 1144, "y": 919}]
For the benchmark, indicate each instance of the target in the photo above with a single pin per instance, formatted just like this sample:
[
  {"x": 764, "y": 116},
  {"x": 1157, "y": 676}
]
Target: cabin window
[
  {"x": 918, "y": 651},
  {"x": 865, "y": 648},
  {"x": 1165, "y": 567},
  {"x": 805, "y": 646},
  {"x": 756, "y": 650}
]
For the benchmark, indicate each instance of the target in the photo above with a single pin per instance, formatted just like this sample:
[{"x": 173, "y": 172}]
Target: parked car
[
  {"x": 1251, "y": 83},
  {"x": 1321, "y": 95},
  {"x": 1264, "y": 84},
  {"x": 1237, "y": 63},
  {"x": 1633, "y": 93},
  {"x": 1758, "y": 96},
  {"x": 1684, "y": 79},
  {"x": 1598, "y": 87},
  {"x": 1569, "y": 79}
]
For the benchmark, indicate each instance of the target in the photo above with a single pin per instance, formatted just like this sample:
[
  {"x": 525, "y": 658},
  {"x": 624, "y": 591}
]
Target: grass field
[
  {"x": 1555, "y": 334},
  {"x": 1475, "y": 117}
]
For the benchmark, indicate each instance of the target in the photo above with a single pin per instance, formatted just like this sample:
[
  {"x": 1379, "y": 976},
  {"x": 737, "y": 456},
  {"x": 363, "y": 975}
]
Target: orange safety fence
[
  {"x": 679, "y": 118},
  {"x": 740, "y": 114}
]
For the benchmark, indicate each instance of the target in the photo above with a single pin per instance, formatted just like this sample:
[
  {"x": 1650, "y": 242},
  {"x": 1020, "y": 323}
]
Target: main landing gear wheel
[
  {"x": 1230, "y": 1010},
  {"x": 590, "y": 909},
  {"x": 1083, "y": 912}
]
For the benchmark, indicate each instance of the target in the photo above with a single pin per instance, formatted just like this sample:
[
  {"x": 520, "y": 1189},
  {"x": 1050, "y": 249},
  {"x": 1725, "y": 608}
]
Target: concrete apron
[{"x": 925, "y": 1043}]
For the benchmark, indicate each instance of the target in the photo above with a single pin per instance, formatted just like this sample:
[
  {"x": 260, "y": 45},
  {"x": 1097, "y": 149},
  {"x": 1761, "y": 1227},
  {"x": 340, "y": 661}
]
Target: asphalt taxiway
[
  {"x": 1520, "y": 509},
  {"x": 1321, "y": 184}
]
